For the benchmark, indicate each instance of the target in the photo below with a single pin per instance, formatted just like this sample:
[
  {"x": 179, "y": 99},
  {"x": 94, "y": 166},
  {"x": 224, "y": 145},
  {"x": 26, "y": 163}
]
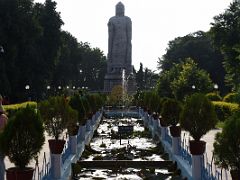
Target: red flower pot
[
  {"x": 163, "y": 123},
  {"x": 18, "y": 174},
  {"x": 235, "y": 174},
  {"x": 197, "y": 147},
  {"x": 56, "y": 146},
  {"x": 175, "y": 131}
]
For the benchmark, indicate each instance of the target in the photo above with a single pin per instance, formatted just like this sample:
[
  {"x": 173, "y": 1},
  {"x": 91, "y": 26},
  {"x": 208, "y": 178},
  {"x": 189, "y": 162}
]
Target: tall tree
[
  {"x": 183, "y": 79},
  {"x": 48, "y": 44},
  {"x": 197, "y": 46},
  {"x": 225, "y": 32},
  {"x": 18, "y": 33}
]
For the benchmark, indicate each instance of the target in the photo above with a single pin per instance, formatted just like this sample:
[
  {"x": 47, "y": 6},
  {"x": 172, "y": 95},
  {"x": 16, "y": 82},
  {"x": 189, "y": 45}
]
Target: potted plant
[
  {"x": 162, "y": 121},
  {"x": 72, "y": 119},
  {"x": 21, "y": 140},
  {"x": 77, "y": 104},
  {"x": 146, "y": 101},
  {"x": 227, "y": 146},
  {"x": 55, "y": 116},
  {"x": 170, "y": 114},
  {"x": 154, "y": 103},
  {"x": 198, "y": 117}
]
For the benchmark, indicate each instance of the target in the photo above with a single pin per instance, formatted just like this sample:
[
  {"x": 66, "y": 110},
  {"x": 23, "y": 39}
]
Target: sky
[{"x": 154, "y": 22}]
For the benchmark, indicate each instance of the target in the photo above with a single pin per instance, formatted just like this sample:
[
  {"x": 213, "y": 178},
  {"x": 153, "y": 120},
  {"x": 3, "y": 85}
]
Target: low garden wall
[
  {"x": 181, "y": 156},
  {"x": 73, "y": 150}
]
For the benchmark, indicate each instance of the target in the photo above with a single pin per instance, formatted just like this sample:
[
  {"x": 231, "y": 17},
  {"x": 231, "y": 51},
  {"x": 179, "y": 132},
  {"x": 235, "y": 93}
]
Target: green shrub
[
  {"x": 224, "y": 109},
  {"x": 23, "y": 137},
  {"x": 198, "y": 116},
  {"x": 171, "y": 110},
  {"x": 230, "y": 97},
  {"x": 57, "y": 115},
  {"x": 154, "y": 102},
  {"x": 77, "y": 104},
  {"x": 214, "y": 96},
  {"x": 226, "y": 146}
]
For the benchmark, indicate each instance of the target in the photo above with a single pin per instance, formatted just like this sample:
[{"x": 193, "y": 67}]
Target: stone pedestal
[
  {"x": 94, "y": 119},
  {"x": 82, "y": 132},
  {"x": 197, "y": 167},
  {"x": 176, "y": 145},
  {"x": 163, "y": 133},
  {"x": 89, "y": 125},
  {"x": 73, "y": 144}
]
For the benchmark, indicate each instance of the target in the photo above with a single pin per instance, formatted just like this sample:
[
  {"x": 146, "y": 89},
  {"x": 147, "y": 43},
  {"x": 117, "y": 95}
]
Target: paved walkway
[{"x": 209, "y": 138}]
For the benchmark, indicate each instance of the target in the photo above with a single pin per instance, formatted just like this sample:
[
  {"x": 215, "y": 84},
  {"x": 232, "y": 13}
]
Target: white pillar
[
  {"x": 150, "y": 121},
  {"x": 196, "y": 167},
  {"x": 93, "y": 119},
  {"x": 176, "y": 145},
  {"x": 88, "y": 125},
  {"x": 56, "y": 161},
  {"x": 163, "y": 133},
  {"x": 73, "y": 144}
]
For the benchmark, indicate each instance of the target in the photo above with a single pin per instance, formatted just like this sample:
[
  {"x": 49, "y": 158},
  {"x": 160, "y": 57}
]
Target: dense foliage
[
  {"x": 39, "y": 54},
  {"x": 183, "y": 79},
  {"x": 214, "y": 96},
  {"x": 224, "y": 109},
  {"x": 171, "y": 110},
  {"x": 230, "y": 97},
  {"x": 197, "y": 46},
  {"x": 23, "y": 137},
  {"x": 227, "y": 144},
  {"x": 225, "y": 33},
  {"x": 57, "y": 115},
  {"x": 198, "y": 116}
]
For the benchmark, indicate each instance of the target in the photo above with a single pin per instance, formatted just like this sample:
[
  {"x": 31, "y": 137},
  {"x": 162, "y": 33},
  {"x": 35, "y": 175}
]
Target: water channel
[{"x": 137, "y": 146}]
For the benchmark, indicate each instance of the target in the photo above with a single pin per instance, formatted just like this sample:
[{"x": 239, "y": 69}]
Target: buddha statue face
[{"x": 120, "y": 9}]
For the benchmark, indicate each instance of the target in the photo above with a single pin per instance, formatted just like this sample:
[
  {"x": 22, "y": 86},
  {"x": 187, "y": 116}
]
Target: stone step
[{"x": 111, "y": 164}]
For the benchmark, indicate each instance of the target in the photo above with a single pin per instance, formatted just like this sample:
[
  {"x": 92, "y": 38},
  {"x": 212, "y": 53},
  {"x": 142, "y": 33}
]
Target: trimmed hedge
[
  {"x": 214, "y": 96},
  {"x": 12, "y": 108},
  {"x": 224, "y": 109},
  {"x": 230, "y": 97}
]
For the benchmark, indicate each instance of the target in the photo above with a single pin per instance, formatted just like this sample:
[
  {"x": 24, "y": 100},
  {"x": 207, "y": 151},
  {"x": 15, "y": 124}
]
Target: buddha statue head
[{"x": 120, "y": 9}]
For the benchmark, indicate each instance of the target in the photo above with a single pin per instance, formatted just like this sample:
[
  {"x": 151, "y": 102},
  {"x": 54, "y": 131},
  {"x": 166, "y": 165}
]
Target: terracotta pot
[
  {"x": 163, "y": 123},
  {"x": 175, "y": 131},
  {"x": 197, "y": 147},
  {"x": 235, "y": 174},
  {"x": 56, "y": 146},
  {"x": 18, "y": 174}
]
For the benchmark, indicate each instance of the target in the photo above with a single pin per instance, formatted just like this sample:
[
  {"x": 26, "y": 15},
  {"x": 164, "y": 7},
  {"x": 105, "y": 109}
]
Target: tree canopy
[
  {"x": 225, "y": 33},
  {"x": 38, "y": 53},
  {"x": 183, "y": 79},
  {"x": 197, "y": 46}
]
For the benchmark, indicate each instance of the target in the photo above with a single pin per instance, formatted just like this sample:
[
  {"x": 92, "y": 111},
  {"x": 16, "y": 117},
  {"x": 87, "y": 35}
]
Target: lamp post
[
  {"x": 27, "y": 87},
  {"x": 48, "y": 89},
  {"x": 59, "y": 89},
  {"x": 215, "y": 88},
  {"x": 1, "y": 49}
]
